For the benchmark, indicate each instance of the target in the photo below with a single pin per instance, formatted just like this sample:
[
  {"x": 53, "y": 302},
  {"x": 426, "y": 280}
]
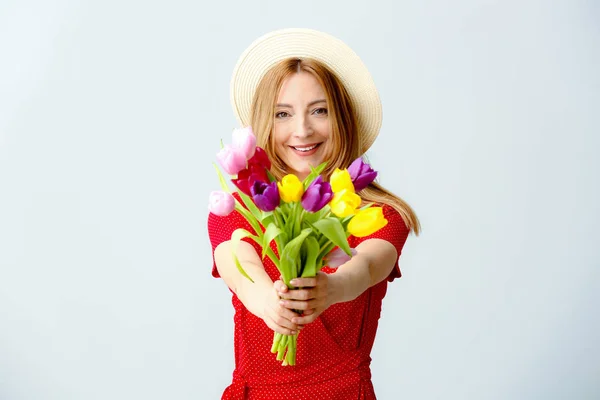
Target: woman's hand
[
  {"x": 276, "y": 316},
  {"x": 314, "y": 297}
]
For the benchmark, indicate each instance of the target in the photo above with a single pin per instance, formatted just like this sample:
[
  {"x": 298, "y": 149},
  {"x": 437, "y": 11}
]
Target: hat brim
[{"x": 278, "y": 45}]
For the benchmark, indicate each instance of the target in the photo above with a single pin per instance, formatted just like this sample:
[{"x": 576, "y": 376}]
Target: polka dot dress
[{"x": 333, "y": 354}]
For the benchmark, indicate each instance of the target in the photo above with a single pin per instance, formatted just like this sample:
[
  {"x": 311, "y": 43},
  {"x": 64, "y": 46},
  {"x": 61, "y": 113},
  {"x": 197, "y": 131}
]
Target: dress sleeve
[
  {"x": 396, "y": 232},
  {"x": 220, "y": 230}
]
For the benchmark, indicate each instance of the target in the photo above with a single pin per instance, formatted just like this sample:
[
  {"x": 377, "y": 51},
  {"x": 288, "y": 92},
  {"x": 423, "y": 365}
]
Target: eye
[
  {"x": 320, "y": 111},
  {"x": 281, "y": 114}
]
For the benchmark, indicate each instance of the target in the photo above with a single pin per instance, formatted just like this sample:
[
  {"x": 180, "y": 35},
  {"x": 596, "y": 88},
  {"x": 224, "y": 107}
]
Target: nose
[{"x": 303, "y": 127}]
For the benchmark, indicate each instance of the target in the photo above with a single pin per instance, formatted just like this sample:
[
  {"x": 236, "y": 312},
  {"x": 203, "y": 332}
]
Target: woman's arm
[
  {"x": 373, "y": 263},
  {"x": 260, "y": 297}
]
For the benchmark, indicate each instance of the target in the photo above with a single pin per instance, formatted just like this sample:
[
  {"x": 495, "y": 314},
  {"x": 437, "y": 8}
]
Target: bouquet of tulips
[{"x": 309, "y": 221}]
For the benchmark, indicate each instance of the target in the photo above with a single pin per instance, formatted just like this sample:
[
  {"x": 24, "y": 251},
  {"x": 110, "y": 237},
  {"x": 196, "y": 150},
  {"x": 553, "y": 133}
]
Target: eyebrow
[{"x": 312, "y": 103}]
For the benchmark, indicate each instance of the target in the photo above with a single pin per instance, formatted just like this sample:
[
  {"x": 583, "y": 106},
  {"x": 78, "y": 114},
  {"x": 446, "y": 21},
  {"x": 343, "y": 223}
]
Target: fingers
[
  {"x": 298, "y": 294},
  {"x": 299, "y": 305},
  {"x": 278, "y": 317},
  {"x": 280, "y": 287},
  {"x": 278, "y": 328},
  {"x": 304, "y": 282},
  {"x": 306, "y": 318},
  {"x": 282, "y": 316}
]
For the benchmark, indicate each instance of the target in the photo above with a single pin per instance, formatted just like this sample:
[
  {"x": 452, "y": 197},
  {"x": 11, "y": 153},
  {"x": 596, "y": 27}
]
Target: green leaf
[
  {"x": 311, "y": 247},
  {"x": 271, "y": 233},
  {"x": 288, "y": 225},
  {"x": 236, "y": 237},
  {"x": 314, "y": 217},
  {"x": 324, "y": 211},
  {"x": 221, "y": 179},
  {"x": 271, "y": 176},
  {"x": 267, "y": 218},
  {"x": 368, "y": 205},
  {"x": 332, "y": 228},
  {"x": 314, "y": 174},
  {"x": 285, "y": 210},
  {"x": 345, "y": 221},
  {"x": 325, "y": 250},
  {"x": 249, "y": 203},
  {"x": 289, "y": 257}
]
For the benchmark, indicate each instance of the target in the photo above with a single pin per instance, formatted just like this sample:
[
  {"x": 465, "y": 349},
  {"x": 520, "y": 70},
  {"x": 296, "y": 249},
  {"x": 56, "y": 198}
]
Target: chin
[{"x": 305, "y": 167}]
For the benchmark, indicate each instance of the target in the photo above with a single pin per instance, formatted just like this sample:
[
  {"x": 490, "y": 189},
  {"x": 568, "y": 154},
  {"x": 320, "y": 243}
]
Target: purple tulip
[
  {"x": 337, "y": 257},
  {"x": 232, "y": 160},
  {"x": 221, "y": 203},
  {"x": 244, "y": 140},
  {"x": 265, "y": 195},
  {"x": 317, "y": 195},
  {"x": 361, "y": 173}
]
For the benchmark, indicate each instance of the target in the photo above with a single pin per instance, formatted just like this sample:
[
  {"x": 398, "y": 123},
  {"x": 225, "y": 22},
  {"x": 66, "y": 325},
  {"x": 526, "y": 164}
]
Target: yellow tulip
[
  {"x": 290, "y": 188},
  {"x": 367, "y": 222},
  {"x": 344, "y": 203},
  {"x": 340, "y": 180}
]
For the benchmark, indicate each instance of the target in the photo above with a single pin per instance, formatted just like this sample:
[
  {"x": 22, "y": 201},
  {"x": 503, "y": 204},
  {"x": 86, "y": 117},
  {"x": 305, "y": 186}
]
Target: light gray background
[{"x": 111, "y": 113}]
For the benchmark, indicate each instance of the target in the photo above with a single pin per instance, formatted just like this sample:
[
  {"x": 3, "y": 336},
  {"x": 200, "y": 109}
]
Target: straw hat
[{"x": 278, "y": 45}]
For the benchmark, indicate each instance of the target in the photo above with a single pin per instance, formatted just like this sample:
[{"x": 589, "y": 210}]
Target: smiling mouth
[{"x": 306, "y": 149}]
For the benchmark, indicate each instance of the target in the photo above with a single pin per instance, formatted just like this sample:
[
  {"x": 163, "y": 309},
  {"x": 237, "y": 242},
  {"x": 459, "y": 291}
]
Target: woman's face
[{"x": 301, "y": 129}]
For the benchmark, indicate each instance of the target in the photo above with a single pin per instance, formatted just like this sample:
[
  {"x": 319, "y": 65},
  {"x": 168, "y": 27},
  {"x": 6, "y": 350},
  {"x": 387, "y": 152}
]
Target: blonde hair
[{"x": 344, "y": 129}]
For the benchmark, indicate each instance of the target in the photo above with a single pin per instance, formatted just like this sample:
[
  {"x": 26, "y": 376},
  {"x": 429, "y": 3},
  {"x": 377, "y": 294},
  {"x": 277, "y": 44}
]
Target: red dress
[{"x": 333, "y": 353}]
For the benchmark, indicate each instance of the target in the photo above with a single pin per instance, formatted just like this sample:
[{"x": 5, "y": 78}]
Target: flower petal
[{"x": 221, "y": 203}]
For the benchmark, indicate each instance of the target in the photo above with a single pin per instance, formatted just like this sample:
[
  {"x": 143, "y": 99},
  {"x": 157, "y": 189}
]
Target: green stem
[
  {"x": 276, "y": 340},
  {"x": 282, "y": 347},
  {"x": 292, "y": 221},
  {"x": 278, "y": 218},
  {"x": 279, "y": 241},
  {"x": 290, "y": 352},
  {"x": 322, "y": 240},
  {"x": 269, "y": 251},
  {"x": 297, "y": 212},
  {"x": 250, "y": 218},
  {"x": 325, "y": 250},
  {"x": 294, "y": 347}
]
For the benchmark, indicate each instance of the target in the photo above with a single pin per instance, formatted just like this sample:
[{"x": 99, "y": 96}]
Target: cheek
[
  {"x": 279, "y": 134},
  {"x": 280, "y": 146},
  {"x": 325, "y": 129}
]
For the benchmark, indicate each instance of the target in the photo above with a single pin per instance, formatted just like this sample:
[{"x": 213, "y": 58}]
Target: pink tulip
[
  {"x": 338, "y": 257},
  {"x": 232, "y": 160},
  {"x": 221, "y": 203},
  {"x": 244, "y": 140}
]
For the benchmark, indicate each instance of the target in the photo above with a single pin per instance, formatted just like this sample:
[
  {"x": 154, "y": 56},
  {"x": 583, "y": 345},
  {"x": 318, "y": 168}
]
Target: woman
[{"x": 309, "y": 99}]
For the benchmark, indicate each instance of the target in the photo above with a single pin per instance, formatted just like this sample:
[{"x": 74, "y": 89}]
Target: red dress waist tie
[{"x": 344, "y": 383}]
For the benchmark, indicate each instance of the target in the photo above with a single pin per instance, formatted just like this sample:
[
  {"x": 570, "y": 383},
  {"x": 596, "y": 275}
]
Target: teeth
[{"x": 305, "y": 148}]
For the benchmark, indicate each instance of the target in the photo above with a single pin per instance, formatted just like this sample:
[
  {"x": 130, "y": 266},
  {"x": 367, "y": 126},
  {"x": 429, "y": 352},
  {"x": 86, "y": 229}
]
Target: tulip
[
  {"x": 265, "y": 195},
  {"x": 261, "y": 158},
  {"x": 338, "y": 257},
  {"x": 361, "y": 173},
  {"x": 248, "y": 176},
  {"x": 221, "y": 203},
  {"x": 317, "y": 195},
  {"x": 340, "y": 180},
  {"x": 367, "y": 222},
  {"x": 344, "y": 203},
  {"x": 231, "y": 159},
  {"x": 244, "y": 140},
  {"x": 290, "y": 188}
]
